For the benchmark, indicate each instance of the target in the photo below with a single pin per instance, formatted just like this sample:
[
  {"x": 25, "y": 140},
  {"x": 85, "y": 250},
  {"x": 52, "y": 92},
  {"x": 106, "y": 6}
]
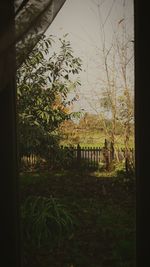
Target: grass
[
  {"x": 104, "y": 218},
  {"x": 97, "y": 139}
]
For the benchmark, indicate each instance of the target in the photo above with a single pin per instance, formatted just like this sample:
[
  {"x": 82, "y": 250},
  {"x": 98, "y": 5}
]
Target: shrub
[
  {"x": 45, "y": 221},
  {"x": 126, "y": 178}
]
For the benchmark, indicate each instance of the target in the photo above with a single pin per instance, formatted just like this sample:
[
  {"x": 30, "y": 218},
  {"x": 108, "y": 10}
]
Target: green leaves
[
  {"x": 43, "y": 84},
  {"x": 45, "y": 220}
]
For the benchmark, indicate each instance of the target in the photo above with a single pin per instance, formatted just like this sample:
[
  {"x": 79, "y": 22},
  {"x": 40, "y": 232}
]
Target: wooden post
[
  {"x": 94, "y": 153},
  {"x": 112, "y": 151},
  {"x": 99, "y": 156},
  {"x": 106, "y": 155},
  {"x": 91, "y": 152},
  {"x": 78, "y": 156},
  {"x": 88, "y": 154},
  {"x": 96, "y": 156}
]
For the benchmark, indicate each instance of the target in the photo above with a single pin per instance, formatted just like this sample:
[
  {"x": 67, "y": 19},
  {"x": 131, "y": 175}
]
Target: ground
[{"x": 104, "y": 212}]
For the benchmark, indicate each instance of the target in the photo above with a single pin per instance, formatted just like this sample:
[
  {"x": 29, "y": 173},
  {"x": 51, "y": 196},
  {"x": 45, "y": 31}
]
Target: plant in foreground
[{"x": 45, "y": 221}]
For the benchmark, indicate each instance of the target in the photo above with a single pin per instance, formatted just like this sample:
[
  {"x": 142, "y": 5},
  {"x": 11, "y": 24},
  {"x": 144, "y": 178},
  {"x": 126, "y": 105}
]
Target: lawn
[
  {"x": 103, "y": 214},
  {"x": 96, "y": 139}
]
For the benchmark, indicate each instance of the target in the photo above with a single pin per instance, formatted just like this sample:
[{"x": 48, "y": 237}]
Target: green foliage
[
  {"x": 105, "y": 222},
  {"x": 91, "y": 122},
  {"x": 126, "y": 180},
  {"x": 64, "y": 157},
  {"x": 43, "y": 83},
  {"x": 45, "y": 221},
  {"x": 90, "y": 131}
]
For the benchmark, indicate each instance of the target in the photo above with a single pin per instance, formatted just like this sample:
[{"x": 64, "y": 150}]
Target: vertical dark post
[
  {"x": 94, "y": 156},
  {"x": 106, "y": 143},
  {"x": 112, "y": 151},
  {"x": 88, "y": 156},
  {"x": 127, "y": 167},
  {"x": 71, "y": 156},
  {"x": 99, "y": 156},
  {"x": 82, "y": 153},
  {"x": 78, "y": 156},
  {"x": 96, "y": 149},
  {"x": 91, "y": 162},
  {"x": 106, "y": 154},
  {"x": 9, "y": 201}
]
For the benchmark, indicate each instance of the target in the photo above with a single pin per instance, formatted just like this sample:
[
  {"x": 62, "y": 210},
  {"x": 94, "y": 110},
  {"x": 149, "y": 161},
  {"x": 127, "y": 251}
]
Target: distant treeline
[{"x": 90, "y": 130}]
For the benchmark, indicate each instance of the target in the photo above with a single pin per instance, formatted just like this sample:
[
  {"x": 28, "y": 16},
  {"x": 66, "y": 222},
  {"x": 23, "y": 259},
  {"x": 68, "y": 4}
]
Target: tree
[
  {"x": 126, "y": 99},
  {"x": 69, "y": 132},
  {"x": 43, "y": 83},
  {"x": 115, "y": 100}
]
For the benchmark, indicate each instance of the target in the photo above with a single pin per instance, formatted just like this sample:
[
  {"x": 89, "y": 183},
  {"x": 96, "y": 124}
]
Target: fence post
[
  {"x": 106, "y": 154},
  {"x": 78, "y": 156},
  {"x": 112, "y": 151}
]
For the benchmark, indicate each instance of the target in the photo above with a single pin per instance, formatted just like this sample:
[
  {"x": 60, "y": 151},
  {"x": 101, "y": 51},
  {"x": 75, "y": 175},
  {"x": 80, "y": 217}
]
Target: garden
[
  {"x": 78, "y": 219},
  {"x": 76, "y": 216}
]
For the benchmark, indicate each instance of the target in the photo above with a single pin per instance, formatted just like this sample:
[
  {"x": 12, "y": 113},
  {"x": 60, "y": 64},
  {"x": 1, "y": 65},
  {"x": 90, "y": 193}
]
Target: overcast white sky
[{"x": 81, "y": 19}]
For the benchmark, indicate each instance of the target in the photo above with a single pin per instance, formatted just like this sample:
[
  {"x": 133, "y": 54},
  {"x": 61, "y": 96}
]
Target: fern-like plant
[{"x": 45, "y": 221}]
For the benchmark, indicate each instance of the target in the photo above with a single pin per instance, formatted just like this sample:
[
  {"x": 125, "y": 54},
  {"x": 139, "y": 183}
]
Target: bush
[
  {"x": 45, "y": 221},
  {"x": 127, "y": 179}
]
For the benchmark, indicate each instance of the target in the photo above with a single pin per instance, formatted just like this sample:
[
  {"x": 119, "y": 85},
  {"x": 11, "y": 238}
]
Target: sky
[{"x": 83, "y": 20}]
